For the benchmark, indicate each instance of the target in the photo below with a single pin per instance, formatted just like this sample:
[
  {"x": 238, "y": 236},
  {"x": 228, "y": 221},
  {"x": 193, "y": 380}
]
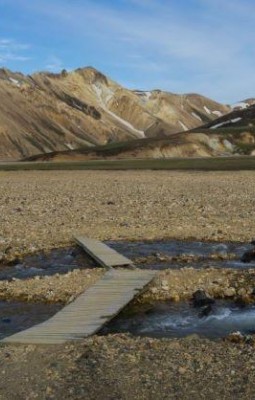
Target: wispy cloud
[
  {"x": 11, "y": 50},
  {"x": 54, "y": 64},
  {"x": 192, "y": 45}
]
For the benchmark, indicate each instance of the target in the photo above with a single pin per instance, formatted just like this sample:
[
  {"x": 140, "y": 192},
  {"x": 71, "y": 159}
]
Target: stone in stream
[
  {"x": 205, "y": 311},
  {"x": 248, "y": 256},
  {"x": 6, "y": 320},
  {"x": 200, "y": 299}
]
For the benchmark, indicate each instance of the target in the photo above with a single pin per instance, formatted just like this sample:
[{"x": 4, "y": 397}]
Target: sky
[{"x": 182, "y": 46}]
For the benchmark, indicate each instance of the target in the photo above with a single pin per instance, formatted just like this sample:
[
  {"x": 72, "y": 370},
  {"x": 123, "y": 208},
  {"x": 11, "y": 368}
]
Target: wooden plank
[
  {"x": 103, "y": 254},
  {"x": 90, "y": 311}
]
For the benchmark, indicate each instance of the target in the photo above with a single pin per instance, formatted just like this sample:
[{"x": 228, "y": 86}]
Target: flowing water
[
  {"x": 204, "y": 254},
  {"x": 163, "y": 319},
  {"x": 182, "y": 319},
  {"x": 157, "y": 255},
  {"x": 17, "y": 316}
]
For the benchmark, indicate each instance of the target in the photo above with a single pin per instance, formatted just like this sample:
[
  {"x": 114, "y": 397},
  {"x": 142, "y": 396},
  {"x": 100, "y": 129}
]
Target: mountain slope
[
  {"x": 232, "y": 134},
  {"x": 237, "y": 128},
  {"x": 54, "y": 112}
]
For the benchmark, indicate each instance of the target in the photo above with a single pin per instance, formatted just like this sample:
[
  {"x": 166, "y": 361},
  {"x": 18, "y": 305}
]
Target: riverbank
[{"x": 43, "y": 210}]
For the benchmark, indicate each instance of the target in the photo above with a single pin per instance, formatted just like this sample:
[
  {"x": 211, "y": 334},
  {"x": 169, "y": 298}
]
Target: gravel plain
[{"x": 43, "y": 210}]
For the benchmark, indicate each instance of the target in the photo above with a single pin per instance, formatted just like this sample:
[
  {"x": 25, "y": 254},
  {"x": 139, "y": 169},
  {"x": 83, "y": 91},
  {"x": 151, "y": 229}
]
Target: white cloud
[
  {"x": 11, "y": 50},
  {"x": 54, "y": 64},
  {"x": 206, "y": 48}
]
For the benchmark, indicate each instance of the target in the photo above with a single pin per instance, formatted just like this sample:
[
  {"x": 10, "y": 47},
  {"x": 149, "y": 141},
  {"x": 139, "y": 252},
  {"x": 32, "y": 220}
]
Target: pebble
[
  {"x": 230, "y": 292},
  {"x": 241, "y": 292},
  {"x": 182, "y": 370}
]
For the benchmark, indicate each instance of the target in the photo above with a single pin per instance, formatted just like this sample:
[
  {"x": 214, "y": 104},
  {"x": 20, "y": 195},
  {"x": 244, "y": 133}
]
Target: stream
[{"x": 165, "y": 319}]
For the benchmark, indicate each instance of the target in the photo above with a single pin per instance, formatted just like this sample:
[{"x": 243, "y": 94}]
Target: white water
[{"x": 182, "y": 319}]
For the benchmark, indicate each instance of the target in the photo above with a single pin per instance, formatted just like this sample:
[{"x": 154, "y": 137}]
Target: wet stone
[
  {"x": 200, "y": 298},
  {"x": 248, "y": 256}
]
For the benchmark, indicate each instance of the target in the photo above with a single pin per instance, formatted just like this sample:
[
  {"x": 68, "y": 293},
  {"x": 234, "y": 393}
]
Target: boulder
[
  {"x": 205, "y": 311},
  {"x": 230, "y": 292},
  {"x": 248, "y": 256},
  {"x": 200, "y": 299}
]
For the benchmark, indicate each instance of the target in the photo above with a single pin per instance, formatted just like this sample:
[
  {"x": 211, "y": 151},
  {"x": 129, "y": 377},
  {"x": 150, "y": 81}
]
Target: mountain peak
[{"x": 92, "y": 75}]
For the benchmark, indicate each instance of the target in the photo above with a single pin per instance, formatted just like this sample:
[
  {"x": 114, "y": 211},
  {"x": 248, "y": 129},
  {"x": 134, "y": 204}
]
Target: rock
[
  {"x": 241, "y": 292},
  {"x": 182, "y": 370},
  {"x": 205, "y": 311},
  {"x": 200, "y": 298},
  {"x": 230, "y": 292},
  {"x": 235, "y": 337},
  {"x": 154, "y": 290},
  {"x": 175, "y": 297},
  {"x": 246, "y": 300},
  {"x": 248, "y": 256},
  {"x": 6, "y": 320}
]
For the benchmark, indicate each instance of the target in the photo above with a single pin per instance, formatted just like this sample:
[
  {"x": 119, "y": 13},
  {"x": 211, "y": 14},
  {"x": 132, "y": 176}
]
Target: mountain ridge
[{"x": 47, "y": 112}]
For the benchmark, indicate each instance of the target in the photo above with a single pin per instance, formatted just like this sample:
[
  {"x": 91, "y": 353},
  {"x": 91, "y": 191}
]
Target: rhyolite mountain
[
  {"x": 46, "y": 112},
  {"x": 230, "y": 135}
]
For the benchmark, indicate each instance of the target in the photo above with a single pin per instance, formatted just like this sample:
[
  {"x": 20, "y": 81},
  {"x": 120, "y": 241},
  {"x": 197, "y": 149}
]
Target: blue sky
[{"x": 203, "y": 46}]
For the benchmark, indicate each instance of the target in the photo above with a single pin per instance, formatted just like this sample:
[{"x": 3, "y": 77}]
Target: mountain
[
  {"x": 236, "y": 128},
  {"x": 232, "y": 134},
  {"x": 47, "y": 112},
  {"x": 239, "y": 120},
  {"x": 243, "y": 104}
]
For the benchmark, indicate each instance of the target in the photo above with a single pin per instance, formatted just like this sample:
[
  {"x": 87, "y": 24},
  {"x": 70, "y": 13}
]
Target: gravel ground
[
  {"x": 172, "y": 285},
  {"x": 119, "y": 367},
  {"x": 42, "y": 210}
]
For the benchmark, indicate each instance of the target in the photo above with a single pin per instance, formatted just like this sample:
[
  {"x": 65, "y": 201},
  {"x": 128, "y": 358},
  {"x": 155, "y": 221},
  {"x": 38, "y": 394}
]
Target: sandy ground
[{"x": 42, "y": 210}]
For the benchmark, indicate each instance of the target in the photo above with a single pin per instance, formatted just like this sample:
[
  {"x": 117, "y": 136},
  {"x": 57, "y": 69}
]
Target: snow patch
[
  {"x": 103, "y": 103},
  {"x": 197, "y": 116},
  {"x": 218, "y": 113},
  {"x": 207, "y": 110},
  {"x": 230, "y": 121},
  {"x": 104, "y": 94},
  {"x": 15, "y": 82},
  {"x": 184, "y": 127},
  {"x": 241, "y": 106},
  {"x": 127, "y": 124},
  {"x": 69, "y": 146}
]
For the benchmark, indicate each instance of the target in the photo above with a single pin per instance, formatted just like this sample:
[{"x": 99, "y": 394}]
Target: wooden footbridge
[{"x": 96, "y": 306}]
